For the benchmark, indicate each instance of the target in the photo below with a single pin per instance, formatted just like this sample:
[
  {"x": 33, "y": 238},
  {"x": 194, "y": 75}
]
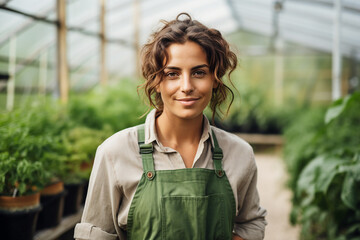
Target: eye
[
  {"x": 199, "y": 73},
  {"x": 171, "y": 75}
]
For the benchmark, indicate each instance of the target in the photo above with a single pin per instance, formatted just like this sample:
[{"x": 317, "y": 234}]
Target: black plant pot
[
  {"x": 18, "y": 225},
  {"x": 73, "y": 198},
  {"x": 52, "y": 212},
  {"x": 86, "y": 186}
]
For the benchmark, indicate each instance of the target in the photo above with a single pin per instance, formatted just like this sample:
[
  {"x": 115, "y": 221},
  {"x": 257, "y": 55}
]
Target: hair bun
[{"x": 183, "y": 13}]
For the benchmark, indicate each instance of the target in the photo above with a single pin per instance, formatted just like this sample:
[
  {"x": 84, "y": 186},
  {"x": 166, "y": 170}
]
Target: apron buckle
[
  {"x": 146, "y": 148},
  {"x": 217, "y": 154}
]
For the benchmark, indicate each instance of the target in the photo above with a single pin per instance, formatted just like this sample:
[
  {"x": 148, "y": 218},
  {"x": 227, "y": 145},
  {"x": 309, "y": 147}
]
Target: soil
[{"x": 275, "y": 196}]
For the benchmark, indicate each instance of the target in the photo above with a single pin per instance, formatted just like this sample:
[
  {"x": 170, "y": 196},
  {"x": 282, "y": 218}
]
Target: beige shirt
[{"x": 118, "y": 168}]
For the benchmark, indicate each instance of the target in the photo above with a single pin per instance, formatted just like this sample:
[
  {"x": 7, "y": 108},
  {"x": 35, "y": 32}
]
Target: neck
[{"x": 173, "y": 132}]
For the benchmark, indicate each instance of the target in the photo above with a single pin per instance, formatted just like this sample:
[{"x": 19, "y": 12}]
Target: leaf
[
  {"x": 348, "y": 193},
  {"x": 351, "y": 185},
  {"x": 353, "y": 168},
  {"x": 22, "y": 188},
  {"x": 351, "y": 230},
  {"x": 317, "y": 176},
  {"x": 336, "y": 109},
  {"x": 339, "y": 106}
]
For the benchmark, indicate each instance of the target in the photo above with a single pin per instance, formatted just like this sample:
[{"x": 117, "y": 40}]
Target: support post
[
  {"x": 62, "y": 64},
  {"x": 136, "y": 18},
  {"x": 10, "y": 97},
  {"x": 336, "y": 52},
  {"x": 103, "y": 69},
  {"x": 43, "y": 69},
  {"x": 277, "y": 46}
]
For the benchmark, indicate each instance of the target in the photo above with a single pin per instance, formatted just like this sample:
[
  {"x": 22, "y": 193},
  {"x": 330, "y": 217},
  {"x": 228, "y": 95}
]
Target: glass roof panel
[
  {"x": 81, "y": 11},
  {"x": 34, "y": 7},
  {"x": 9, "y": 21}
]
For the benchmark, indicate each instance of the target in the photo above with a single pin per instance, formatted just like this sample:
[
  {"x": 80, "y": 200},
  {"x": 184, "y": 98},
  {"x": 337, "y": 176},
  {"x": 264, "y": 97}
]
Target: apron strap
[
  {"x": 146, "y": 151},
  {"x": 217, "y": 156}
]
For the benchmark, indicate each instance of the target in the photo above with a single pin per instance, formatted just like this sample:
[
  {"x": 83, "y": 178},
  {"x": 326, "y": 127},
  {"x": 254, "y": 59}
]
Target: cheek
[
  {"x": 167, "y": 87},
  {"x": 207, "y": 87}
]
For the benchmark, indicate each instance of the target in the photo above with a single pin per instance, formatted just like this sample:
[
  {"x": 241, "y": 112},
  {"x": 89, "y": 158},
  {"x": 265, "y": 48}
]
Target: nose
[{"x": 186, "y": 84}]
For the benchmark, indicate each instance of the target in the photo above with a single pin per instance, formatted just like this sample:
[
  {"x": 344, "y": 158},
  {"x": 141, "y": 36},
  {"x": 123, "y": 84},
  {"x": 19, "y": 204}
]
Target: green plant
[
  {"x": 116, "y": 106},
  {"x": 19, "y": 177},
  {"x": 300, "y": 137},
  {"x": 325, "y": 171},
  {"x": 252, "y": 112},
  {"x": 80, "y": 144},
  {"x": 28, "y": 141},
  {"x": 94, "y": 116},
  {"x": 18, "y": 151}
]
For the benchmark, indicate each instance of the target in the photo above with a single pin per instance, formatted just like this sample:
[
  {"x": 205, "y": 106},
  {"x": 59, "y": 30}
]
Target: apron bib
[{"x": 182, "y": 204}]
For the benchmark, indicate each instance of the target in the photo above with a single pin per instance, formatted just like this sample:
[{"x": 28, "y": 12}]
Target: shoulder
[
  {"x": 237, "y": 152},
  {"x": 121, "y": 143},
  {"x": 231, "y": 142}
]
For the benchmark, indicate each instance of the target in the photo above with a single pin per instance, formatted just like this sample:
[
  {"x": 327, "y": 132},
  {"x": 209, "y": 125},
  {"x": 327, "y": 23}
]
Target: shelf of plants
[{"x": 65, "y": 225}]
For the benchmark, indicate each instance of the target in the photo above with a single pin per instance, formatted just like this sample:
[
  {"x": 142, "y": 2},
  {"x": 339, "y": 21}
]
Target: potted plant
[
  {"x": 30, "y": 134},
  {"x": 20, "y": 181},
  {"x": 47, "y": 122},
  {"x": 19, "y": 199},
  {"x": 80, "y": 144},
  {"x": 52, "y": 198}
]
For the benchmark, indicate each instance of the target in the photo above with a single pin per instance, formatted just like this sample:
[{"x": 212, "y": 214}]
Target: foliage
[
  {"x": 44, "y": 141},
  {"x": 116, "y": 106},
  {"x": 19, "y": 177},
  {"x": 300, "y": 136},
  {"x": 251, "y": 112},
  {"x": 80, "y": 145},
  {"x": 95, "y": 116},
  {"x": 323, "y": 156},
  {"x": 26, "y": 149}
]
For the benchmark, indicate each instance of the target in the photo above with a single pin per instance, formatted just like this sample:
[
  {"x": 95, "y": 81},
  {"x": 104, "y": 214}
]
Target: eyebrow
[{"x": 193, "y": 68}]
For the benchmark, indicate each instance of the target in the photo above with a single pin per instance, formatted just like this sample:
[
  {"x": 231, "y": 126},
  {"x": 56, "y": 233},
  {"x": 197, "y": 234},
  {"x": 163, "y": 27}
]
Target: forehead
[{"x": 186, "y": 54}]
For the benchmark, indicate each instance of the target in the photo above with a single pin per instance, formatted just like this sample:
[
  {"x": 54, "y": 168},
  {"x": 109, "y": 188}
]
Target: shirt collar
[{"x": 150, "y": 130}]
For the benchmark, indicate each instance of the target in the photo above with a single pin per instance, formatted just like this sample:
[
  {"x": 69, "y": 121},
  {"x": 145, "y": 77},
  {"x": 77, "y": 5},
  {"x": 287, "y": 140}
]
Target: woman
[{"x": 176, "y": 177}]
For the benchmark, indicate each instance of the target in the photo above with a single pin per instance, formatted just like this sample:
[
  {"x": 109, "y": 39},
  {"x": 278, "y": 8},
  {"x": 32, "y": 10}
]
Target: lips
[{"x": 187, "y": 101}]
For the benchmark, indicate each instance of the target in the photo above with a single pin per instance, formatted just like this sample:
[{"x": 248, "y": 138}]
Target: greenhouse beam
[
  {"x": 4, "y": 38},
  {"x": 69, "y": 28},
  {"x": 10, "y": 97},
  {"x": 43, "y": 73},
  {"x": 62, "y": 65},
  {"x": 336, "y": 52},
  {"x": 43, "y": 19},
  {"x": 234, "y": 13},
  {"x": 136, "y": 19},
  {"x": 277, "y": 45},
  {"x": 103, "y": 72}
]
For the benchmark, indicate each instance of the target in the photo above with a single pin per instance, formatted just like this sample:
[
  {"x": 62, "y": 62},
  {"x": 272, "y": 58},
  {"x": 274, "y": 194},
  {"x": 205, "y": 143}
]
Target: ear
[
  {"x": 216, "y": 84},
  {"x": 157, "y": 88}
]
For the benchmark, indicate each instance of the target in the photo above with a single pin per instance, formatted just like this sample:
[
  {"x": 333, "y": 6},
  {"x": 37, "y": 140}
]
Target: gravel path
[{"x": 275, "y": 197}]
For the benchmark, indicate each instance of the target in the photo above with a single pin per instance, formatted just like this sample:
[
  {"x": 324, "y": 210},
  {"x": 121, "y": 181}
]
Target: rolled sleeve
[
  {"x": 250, "y": 222},
  {"x": 87, "y": 231},
  {"x": 99, "y": 219}
]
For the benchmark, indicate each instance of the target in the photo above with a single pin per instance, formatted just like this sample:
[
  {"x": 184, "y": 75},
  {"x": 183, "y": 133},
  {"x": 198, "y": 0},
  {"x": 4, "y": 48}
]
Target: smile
[{"x": 187, "y": 101}]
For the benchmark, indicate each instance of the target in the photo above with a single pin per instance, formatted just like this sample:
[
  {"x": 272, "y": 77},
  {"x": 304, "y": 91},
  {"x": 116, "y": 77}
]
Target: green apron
[{"x": 182, "y": 204}]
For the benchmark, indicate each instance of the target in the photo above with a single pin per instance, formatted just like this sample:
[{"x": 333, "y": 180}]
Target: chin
[{"x": 190, "y": 115}]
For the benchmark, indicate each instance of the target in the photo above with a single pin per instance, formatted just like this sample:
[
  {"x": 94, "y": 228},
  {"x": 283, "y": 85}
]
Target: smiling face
[{"x": 187, "y": 83}]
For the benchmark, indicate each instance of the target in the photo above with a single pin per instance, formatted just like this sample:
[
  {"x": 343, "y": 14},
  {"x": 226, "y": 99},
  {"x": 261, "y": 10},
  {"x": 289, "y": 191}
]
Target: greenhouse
[{"x": 76, "y": 74}]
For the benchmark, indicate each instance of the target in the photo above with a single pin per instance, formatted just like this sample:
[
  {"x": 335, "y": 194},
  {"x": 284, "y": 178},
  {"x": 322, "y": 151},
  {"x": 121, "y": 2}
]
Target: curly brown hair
[{"x": 219, "y": 56}]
